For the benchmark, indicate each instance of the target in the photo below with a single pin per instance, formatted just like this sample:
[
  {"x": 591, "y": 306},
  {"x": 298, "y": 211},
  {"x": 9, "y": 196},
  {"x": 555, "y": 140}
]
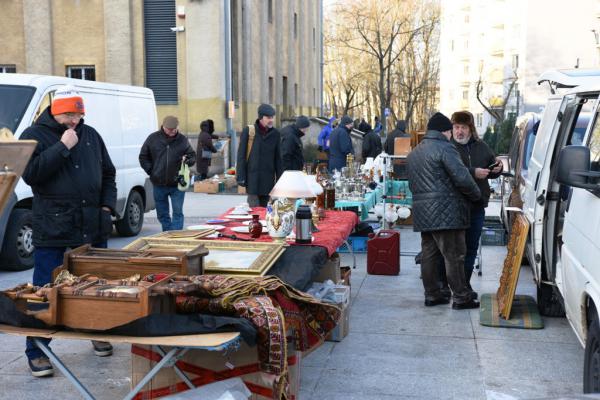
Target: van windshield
[{"x": 14, "y": 100}]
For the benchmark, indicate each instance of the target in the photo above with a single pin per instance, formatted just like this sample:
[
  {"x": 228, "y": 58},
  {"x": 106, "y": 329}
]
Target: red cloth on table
[{"x": 333, "y": 230}]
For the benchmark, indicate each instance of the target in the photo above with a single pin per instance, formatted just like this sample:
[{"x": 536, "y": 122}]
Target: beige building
[{"x": 177, "y": 48}]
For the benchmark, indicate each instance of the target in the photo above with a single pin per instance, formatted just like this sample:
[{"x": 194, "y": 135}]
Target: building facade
[
  {"x": 495, "y": 43},
  {"x": 178, "y": 49}
]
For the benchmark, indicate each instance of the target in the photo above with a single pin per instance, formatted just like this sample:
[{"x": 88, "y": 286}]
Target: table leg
[
  {"x": 56, "y": 361},
  {"x": 178, "y": 371},
  {"x": 152, "y": 372},
  {"x": 351, "y": 252}
]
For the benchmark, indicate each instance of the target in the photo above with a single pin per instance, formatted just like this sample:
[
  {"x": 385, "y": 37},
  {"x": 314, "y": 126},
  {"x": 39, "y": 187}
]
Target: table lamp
[{"x": 280, "y": 210}]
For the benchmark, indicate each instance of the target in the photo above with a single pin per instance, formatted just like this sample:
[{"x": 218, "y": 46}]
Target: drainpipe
[{"x": 228, "y": 84}]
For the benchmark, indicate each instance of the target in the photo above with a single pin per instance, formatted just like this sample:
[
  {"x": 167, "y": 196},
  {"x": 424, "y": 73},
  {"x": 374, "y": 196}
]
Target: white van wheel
[
  {"x": 591, "y": 363},
  {"x": 133, "y": 218},
  {"x": 17, "y": 250}
]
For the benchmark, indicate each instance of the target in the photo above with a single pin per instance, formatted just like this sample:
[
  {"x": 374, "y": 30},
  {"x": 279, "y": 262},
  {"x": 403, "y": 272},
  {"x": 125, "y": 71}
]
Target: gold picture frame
[
  {"x": 512, "y": 265},
  {"x": 185, "y": 234},
  {"x": 224, "y": 256}
]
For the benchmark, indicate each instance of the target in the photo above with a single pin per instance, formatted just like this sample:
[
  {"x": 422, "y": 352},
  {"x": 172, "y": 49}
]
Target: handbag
[{"x": 184, "y": 171}]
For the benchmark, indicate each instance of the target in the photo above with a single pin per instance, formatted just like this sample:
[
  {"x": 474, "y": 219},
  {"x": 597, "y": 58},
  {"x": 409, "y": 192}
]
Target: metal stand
[{"x": 385, "y": 173}]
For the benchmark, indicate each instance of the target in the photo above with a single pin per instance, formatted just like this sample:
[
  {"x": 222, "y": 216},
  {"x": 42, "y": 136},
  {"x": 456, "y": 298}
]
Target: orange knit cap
[{"x": 67, "y": 100}]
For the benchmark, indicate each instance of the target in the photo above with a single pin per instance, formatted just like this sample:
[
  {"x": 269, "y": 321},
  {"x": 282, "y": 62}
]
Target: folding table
[{"x": 179, "y": 345}]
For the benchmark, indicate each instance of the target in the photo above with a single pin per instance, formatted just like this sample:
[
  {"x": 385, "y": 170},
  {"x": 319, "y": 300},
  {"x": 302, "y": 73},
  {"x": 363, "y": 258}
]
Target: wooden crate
[{"x": 121, "y": 264}]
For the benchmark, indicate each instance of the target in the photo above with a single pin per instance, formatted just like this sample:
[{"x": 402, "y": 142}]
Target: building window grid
[
  {"x": 271, "y": 90},
  {"x": 465, "y": 95},
  {"x": 515, "y": 61},
  {"x": 8, "y": 69},
  {"x": 479, "y": 119},
  {"x": 85, "y": 72}
]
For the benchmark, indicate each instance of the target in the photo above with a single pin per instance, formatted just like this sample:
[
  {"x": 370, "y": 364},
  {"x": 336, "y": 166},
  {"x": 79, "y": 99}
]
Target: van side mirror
[{"x": 574, "y": 168}]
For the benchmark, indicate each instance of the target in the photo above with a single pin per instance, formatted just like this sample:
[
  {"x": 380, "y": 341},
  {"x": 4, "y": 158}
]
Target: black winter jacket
[
  {"x": 70, "y": 187},
  {"x": 477, "y": 154},
  {"x": 161, "y": 155},
  {"x": 371, "y": 146},
  {"x": 291, "y": 148},
  {"x": 263, "y": 167},
  {"x": 439, "y": 182}
]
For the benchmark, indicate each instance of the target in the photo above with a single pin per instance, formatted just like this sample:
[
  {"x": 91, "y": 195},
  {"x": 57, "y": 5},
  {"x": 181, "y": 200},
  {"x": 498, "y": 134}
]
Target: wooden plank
[{"x": 199, "y": 340}]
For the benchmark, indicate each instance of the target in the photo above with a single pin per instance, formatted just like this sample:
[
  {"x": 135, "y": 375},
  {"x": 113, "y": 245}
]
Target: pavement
[{"x": 396, "y": 348}]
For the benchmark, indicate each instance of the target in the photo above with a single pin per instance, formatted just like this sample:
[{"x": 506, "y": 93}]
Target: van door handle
[{"x": 541, "y": 199}]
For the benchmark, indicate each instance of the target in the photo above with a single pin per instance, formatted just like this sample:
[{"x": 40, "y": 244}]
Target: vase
[
  {"x": 255, "y": 227},
  {"x": 280, "y": 218}
]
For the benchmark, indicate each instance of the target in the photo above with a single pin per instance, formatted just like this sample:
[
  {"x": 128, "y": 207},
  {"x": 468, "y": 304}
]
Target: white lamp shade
[
  {"x": 314, "y": 185},
  {"x": 292, "y": 184}
]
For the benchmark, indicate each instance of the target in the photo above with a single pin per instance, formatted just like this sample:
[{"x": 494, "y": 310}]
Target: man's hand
[
  {"x": 499, "y": 166},
  {"x": 481, "y": 173},
  {"x": 107, "y": 209},
  {"x": 69, "y": 138}
]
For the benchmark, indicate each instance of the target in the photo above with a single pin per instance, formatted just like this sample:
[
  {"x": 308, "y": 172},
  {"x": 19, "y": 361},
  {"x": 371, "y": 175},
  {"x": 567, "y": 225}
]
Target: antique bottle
[
  {"x": 255, "y": 227},
  {"x": 330, "y": 195}
]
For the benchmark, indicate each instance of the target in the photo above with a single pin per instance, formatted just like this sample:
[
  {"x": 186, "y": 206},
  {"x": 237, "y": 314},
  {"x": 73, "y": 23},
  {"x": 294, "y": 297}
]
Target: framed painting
[
  {"x": 512, "y": 265},
  {"x": 224, "y": 256},
  {"x": 14, "y": 156},
  {"x": 185, "y": 234}
]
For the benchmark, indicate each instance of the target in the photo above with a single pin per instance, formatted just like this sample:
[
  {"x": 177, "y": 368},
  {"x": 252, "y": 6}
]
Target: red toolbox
[{"x": 383, "y": 253}]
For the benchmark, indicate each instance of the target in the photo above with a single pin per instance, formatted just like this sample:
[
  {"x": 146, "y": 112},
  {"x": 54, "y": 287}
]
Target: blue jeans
[
  {"x": 472, "y": 236},
  {"x": 161, "y": 198},
  {"x": 45, "y": 259}
]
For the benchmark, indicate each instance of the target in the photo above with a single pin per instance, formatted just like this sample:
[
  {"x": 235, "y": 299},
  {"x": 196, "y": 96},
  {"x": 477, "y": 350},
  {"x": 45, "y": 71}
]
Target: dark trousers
[
  {"x": 448, "y": 245},
  {"x": 161, "y": 198},
  {"x": 258, "y": 200},
  {"x": 472, "y": 236},
  {"x": 45, "y": 259}
]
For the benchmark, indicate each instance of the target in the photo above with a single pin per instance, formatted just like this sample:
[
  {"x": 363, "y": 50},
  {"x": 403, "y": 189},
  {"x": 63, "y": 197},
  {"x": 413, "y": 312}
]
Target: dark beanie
[
  {"x": 346, "y": 120},
  {"x": 439, "y": 122},
  {"x": 302, "y": 122},
  {"x": 265, "y": 110}
]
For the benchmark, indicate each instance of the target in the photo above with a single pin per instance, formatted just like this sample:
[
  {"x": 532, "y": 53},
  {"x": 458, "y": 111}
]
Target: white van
[
  {"x": 561, "y": 200},
  {"x": 123, "y": 115}
]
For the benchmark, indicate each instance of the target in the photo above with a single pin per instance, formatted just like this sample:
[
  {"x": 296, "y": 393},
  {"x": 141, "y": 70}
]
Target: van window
[
  {"x": 14, "y": 100},
  {"x": 594, "y": 146},
  {"x": 529, "y": 141},
  {"x": 583, "y": 120}
]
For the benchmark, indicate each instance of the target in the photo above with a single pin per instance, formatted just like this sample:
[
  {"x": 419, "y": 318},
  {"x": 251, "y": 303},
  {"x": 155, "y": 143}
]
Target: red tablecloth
[{"x": 333, "y": 230}]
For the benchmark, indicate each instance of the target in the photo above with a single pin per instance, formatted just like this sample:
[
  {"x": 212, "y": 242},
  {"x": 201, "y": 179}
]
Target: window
[
  {"x": 466, "y": 70},
  {"x": 314, "y": 97},
  {"x": 14, "y": 100},
  {"x": 295, "y": 26},
  {"x": 8, "y": 69},
  {"x": 87, "y": 72},
  {"x": 314, "y": 38},
  {"x": 452, "y": 45},
  {"x": 515, "y": 61},
  {"x": 479, "y": 119},
  {"x": 465, "y": 95},
  {"x": 270, "y": 11},
  {"x": 594, "y": 146},
  {"x": 581, "y": 124},
  {"x": 295, "y": 94},
  {"x": 466, "y": 44},
  {"x": 466, "y": 18},
  {"x": 271, "y": 90}
]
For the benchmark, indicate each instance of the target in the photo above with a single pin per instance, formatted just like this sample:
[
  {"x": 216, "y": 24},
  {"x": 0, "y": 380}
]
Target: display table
[
  {"x": 394, "y": 188},
  {"x": 178, "y": 345}
]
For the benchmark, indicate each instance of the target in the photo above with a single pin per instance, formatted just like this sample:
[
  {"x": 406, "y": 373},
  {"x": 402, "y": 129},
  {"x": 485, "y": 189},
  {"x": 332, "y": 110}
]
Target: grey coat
[{"x": 441, "y": 185}]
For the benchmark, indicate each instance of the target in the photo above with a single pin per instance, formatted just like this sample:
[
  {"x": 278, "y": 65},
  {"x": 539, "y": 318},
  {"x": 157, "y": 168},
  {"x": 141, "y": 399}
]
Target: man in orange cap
[{"x": 74, "y": 195}]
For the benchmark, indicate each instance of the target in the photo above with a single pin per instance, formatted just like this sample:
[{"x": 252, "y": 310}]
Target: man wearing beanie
[
  {"x": 259, "y": 157},
  {"x": 441, "y": 184},
  {"x": 371, "y": 146},
  {"x": 340, "y": 144},
  {"x": 74, "y": 195},
  {"x": 161, "y": 156},
  {"x": 483, "y": 165},
  {"x": 291, "y": 145}
]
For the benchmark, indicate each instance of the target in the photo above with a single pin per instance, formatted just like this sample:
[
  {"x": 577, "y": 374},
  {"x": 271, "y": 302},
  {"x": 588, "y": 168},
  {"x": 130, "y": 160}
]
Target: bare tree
[{"x": 498, "y": 112}]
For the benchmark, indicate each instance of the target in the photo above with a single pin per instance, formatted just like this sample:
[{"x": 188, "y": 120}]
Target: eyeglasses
[{"x": 73, "y": 115}]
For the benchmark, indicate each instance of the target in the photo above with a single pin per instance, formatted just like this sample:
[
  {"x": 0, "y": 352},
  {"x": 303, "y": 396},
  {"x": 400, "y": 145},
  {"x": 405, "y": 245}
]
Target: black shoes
[
  {"x": 40, "y": 367},
  {"x": 465, "y": 306},
  {"x": 102, "y": 349},
  {"x": 436, "y": 302}
]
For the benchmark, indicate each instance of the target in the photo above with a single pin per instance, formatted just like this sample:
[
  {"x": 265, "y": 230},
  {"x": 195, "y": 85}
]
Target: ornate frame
[
  {"x": 512, "y": 265},
  {"x": 269, "y": 252}
]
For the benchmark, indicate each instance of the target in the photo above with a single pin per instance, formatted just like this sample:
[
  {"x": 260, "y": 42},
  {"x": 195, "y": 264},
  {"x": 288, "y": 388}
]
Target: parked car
[
  {"x": 561, "y": 201},
  {"x": 123, "y": 115}
]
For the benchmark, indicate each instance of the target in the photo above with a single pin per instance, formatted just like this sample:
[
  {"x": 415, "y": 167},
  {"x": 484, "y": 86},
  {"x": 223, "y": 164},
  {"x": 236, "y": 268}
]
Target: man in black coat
[
  {"x": 483, "y": 165},
  {"x": 291, "y": 144},
  {"x": 161, "y": 156},
  {"x": 259, "y": 163},
  {"x": 74, "y": 195},
  {"x": 371, "y": 146},
  {"x": 441, "y": 184},
  {"x": 340, "y": 144}
]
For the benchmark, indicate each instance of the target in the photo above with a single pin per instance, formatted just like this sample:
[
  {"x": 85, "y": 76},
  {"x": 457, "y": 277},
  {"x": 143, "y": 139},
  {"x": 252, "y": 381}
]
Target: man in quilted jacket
[{"x": 442, "y": 189}]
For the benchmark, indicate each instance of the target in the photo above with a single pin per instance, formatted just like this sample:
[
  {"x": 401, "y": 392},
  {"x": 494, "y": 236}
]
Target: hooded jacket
[
  {"x": 291, "y": 148},
  {"x": 70, "y": 187},
  {"x": 441, "y": 185},
  {"x": 323, "y": 139},
  {"x": 477, "y": 154},
  {"x": 340, "y": 145},
  {"x": 161, "y": 155}
]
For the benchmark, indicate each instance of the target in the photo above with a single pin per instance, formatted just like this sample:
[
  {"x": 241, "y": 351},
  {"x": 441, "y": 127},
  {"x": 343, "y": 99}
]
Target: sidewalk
[{"x": 396, "y": 348}]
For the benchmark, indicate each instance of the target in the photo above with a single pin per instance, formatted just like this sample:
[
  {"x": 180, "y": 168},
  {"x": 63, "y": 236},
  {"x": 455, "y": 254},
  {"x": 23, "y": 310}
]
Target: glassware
[{"x": 255, "y": 228}]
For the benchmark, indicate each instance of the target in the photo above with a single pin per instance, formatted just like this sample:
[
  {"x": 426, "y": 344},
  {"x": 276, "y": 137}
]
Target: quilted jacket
[{"x": 440, "y": 184}]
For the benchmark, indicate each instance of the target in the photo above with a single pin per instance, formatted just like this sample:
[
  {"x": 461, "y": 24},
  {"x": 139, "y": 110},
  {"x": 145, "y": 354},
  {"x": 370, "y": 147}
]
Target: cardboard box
[
  {"x": 343, "y": 326},
  {"x": 229, "y": 181},
  {"x": 207, "y": 186},
  {"x": 204, "y": 367},
  {"x": 331, "y": 270}
]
